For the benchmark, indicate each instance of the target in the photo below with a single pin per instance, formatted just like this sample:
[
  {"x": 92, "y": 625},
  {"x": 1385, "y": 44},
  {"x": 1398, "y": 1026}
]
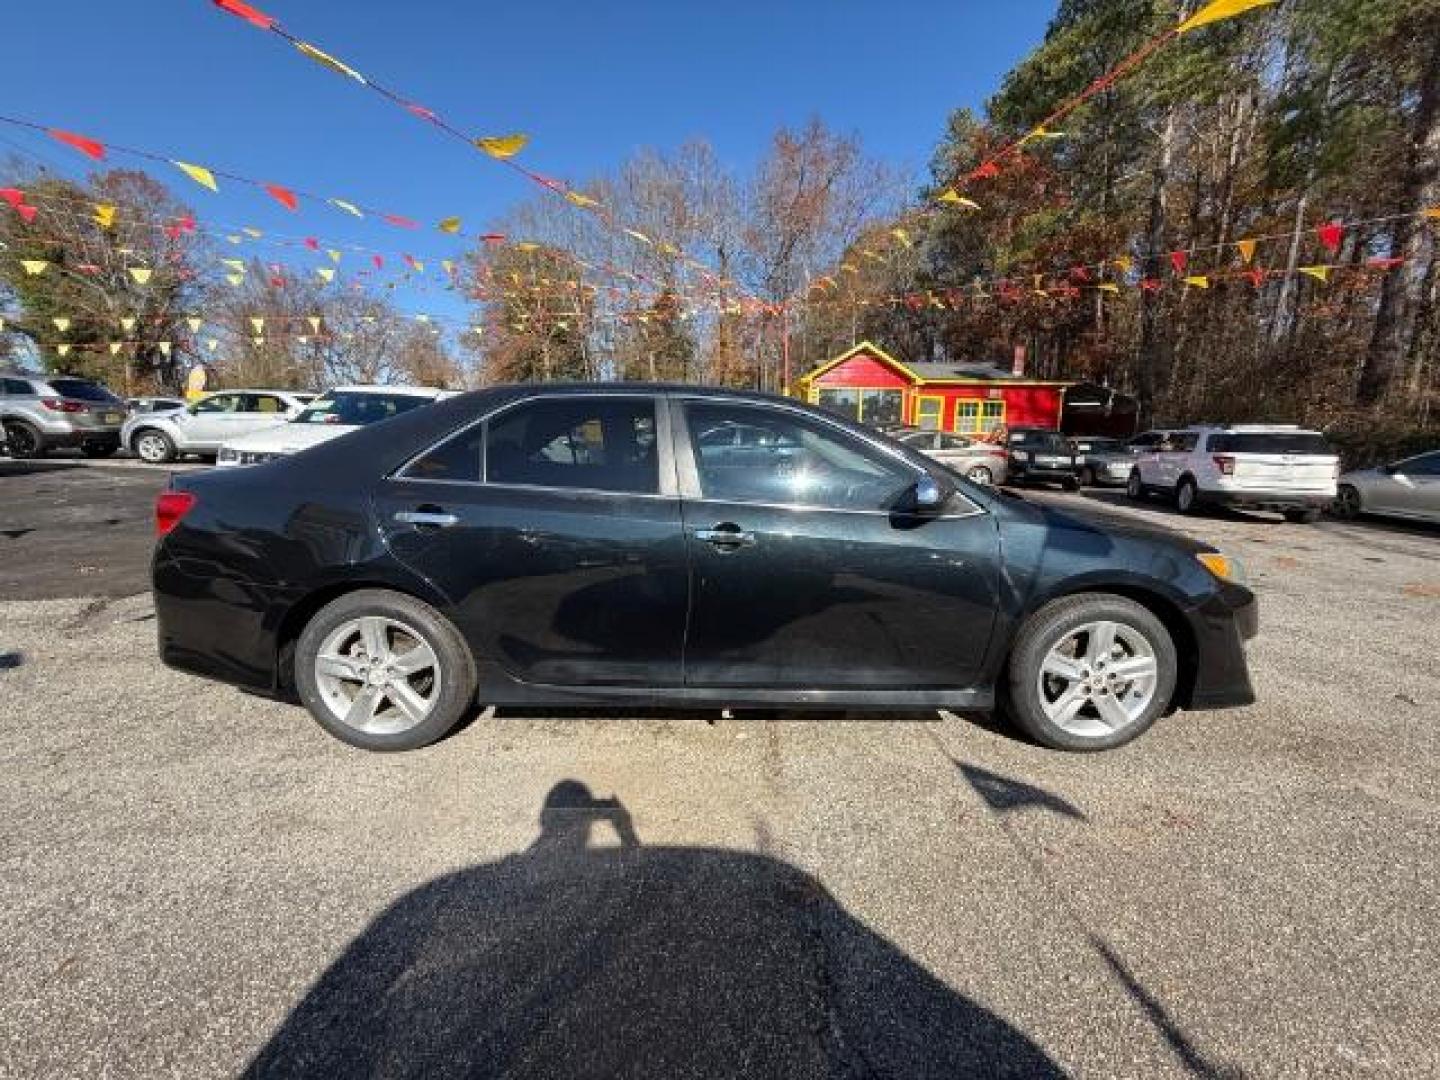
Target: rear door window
[
  {"x": 595, "y": 443},
  {"x": 82, "y": 390},
  {"x": 17, "y": 388},
  {"x": 1278, "y": 442}
]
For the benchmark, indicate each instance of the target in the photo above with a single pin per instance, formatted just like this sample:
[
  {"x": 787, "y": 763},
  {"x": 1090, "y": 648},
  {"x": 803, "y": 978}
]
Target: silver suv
[
  {"x": 41, "y": 413},
  {"x": 203, "y": 426}
]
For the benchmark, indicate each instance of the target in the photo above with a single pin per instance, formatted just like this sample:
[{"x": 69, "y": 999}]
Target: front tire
[
  {"x": 384, "y": 671},
  {"x": 1347, "y": 506},
  {"x": 23, "y": 441},
  {"x": 153, "y": 447},
  {"x": 1134, "y": 488},
  {"x": 1186, "y": 496},
  {"x": 979, "y": 474},
  {"x": 1090, "y": 672}
]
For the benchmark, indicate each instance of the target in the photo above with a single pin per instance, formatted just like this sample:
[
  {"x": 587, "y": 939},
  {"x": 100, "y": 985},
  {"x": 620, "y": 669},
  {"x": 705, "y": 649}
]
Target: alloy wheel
[
  {"x": 152, "y": 447},
  {"x": 1347, "y": 502},
  {"x": 979, "y": 474},
  {"x": 21, "y": 441},
  {"x": 378, "y": 675},
  {"x": 1098, "y": 678}
]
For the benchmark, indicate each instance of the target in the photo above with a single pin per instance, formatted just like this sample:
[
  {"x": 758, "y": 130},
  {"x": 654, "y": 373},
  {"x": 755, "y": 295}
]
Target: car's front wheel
[
  {"x": 979, "y": 474},
  {"x": 1090, "y": 672},
  {"x": 154, "y": 447},
  {"x": 1347, "y": 502},
  {"x": 1134, "y": 487},
  {"x": 384, "y": 671},
  {"x": 1186, "y": 494}
]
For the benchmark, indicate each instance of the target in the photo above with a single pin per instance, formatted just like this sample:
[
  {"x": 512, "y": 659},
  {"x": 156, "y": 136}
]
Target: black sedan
[{"x": 611, "y": 544}]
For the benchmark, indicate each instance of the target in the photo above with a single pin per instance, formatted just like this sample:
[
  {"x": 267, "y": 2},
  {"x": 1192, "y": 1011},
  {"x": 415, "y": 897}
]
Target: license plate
[{"x": 112, "y": 418}]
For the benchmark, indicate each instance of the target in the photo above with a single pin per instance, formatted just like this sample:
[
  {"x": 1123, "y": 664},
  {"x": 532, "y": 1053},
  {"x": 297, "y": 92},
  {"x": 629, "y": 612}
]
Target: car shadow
[
  {"x": 573, "y": 959},
  {"x": 31, "y": 467},
  {"x": 1157, "y": 505}
]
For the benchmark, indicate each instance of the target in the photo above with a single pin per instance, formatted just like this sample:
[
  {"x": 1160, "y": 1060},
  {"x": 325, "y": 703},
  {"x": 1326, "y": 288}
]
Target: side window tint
[
  {"x": 1425, "y": 465},
  {"x": 457, "y": 459},
  {"x": 263, "y": 403},
  {"x": 18, "y": 387},
  {"x": 219, "y": 403},
  {"x": 749, "y": 453},
  {"x": 599, "y": 443}
]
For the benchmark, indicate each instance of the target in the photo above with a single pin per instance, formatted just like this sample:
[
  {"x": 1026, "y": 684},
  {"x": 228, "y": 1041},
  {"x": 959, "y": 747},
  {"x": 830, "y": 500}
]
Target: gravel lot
[{"x": 196, "y": 881}]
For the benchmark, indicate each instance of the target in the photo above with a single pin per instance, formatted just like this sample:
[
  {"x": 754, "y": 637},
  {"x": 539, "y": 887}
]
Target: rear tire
[
  {"x": 979, "y": 474},
  {"x": 153, "y": 446},
  {"x": 1113, "y": 701},
  {"x": 384, "y": 671},
  {"x": 23, "y": 441},
  {"x": 1187, "y": 496},
  {"x": 1348, "y": 505},
  {"x": 1134, "y": 488},
  {"x": 1302, "y": 517}
]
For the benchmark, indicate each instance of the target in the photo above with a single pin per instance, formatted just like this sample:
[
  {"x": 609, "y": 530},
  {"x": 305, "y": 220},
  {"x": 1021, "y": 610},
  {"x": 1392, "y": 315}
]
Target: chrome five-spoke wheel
[
  {"x": 1098, "y": 679},
  {"x": 378, "y": 675}
]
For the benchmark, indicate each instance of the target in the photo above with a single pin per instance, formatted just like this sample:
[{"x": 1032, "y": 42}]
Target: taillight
[
  {"x": 55, "y": 404},
  {"x": 170, "y": 507},
  {"x": 1225, "y": 463}
]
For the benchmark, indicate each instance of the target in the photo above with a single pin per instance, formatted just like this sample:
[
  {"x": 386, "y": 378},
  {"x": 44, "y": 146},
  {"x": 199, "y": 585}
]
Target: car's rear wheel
[
  {"x": 1347, "y": 502},
  {"x": 153, "y": 447},
  {"x": 1090, "y": 672},
  {"x": 1134, "y": 487},
  {"x": 979, "y": 474},
  {"x": 384, "y": 671},
  {"x": 1303, "y": 517},
  {"x": 23, "y": 441},
  {"x": 1186, "y": 496}
]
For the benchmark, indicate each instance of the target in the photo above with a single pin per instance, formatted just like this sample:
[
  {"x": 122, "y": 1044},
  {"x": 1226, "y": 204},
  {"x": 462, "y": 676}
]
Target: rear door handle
[
  {"x": 434, "y": 518},
  {"x": 727, "y": 536}
]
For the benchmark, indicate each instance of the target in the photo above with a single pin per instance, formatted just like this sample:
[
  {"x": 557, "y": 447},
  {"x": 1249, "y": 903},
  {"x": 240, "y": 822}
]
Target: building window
[
  {"x": 928, "y": 410},
  {"x": 974, "y": 417},
  {"x": 871, "y": 406}
]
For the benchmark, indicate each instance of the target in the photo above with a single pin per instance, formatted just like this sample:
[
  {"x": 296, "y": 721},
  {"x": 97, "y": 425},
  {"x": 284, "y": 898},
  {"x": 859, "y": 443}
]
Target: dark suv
[
  {"x": 45, "y": 412},
  {"x": 1039, "y": 454}
]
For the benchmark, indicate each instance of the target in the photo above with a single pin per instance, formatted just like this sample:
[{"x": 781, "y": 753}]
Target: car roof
[{"x": 369, "y": 388}]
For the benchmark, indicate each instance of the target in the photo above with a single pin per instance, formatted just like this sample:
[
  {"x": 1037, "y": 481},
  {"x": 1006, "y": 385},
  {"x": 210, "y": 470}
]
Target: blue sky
[{"x": 589, "y": 82}]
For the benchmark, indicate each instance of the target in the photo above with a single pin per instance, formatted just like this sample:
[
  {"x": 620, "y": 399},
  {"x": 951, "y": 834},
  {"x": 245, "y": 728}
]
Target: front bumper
[
  {"x": 1221, "y": 626},
  {"x": 1266, "y": 500}
]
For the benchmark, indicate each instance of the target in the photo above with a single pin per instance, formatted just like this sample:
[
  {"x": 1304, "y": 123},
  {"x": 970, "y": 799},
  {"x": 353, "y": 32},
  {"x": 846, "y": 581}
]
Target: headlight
[
  {"x": 1223, "y": 567},
  {"x": 1020, "y": 455}
]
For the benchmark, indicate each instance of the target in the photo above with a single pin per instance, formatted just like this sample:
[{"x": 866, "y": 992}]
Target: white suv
[{"x": 1252, "y": 466}]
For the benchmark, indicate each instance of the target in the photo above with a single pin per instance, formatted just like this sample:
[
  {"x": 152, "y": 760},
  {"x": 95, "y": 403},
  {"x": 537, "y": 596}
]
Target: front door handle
[
  {"x": 434, "y": 518},
  {"x": 726, "y": 536}
]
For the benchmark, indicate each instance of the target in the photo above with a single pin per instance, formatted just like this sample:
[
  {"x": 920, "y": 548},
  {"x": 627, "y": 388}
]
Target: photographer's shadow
[{"x": 576, "y": 960}]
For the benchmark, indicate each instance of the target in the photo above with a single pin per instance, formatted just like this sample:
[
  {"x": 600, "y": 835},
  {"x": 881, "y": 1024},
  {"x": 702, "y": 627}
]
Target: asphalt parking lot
[{"x": 196, "y": 881}]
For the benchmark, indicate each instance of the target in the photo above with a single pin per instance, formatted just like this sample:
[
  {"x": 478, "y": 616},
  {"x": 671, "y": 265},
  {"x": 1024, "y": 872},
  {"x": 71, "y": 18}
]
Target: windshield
[
  {"x": 1099, "y": 446},
  {"x": 82, "y": 390},
  {"x": 1277, "y": 442},
  {"x": 357, "y": 409},
  {"x": 1047, "y": 440}
]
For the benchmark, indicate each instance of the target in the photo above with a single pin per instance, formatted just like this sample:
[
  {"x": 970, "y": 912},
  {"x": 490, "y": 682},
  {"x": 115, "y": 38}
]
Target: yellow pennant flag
[
  {"x": 63, "y": 350},
  {"x": 449, "y": 225},
  {"x": 259, "y": 325},
  {"x": 235, "y": 238},
  {"x": 1217, "y": 10},
  {"x": 104, "y": 215},
  {"x": 502, "y": 146},
  {"x": 1247, "y": 250},
  {"x": 212, "y": 344},
  {"x": 114, "y": 347},
  {"x": 34, "y": 266},
  {"x": 422, "y": 318},
  {"x": 583, "y": 201},
  {"x": 237, "y": 265},
  {"x": 201, "y": 175},
  {"x": 333, "y": 255},
  {"x": 902, "y": 236},
  {"x": 1124, "y": 263},
  {"x": 447, "y": 266},
  {"x": 1108, "y": 286},
  {"x": 62, "y": 324},
  {"x": 527, "y": 246},
  {"x": 1433, "y": 213},
  {"x": 314, "y": 321},
  {"x": 303, "y": 339},
  {"x": 850, "y": 268},
  {"x": 234, "y": 279},
  {"x": 639, "y": 236},
  {"x": 127, "y": 323},
  {"x": 306, "y": 49},
  {"x": 1319, "y": 273},
  {"x": 193, "y": 323},
  {"x": 164, "y": 347},
  {"x": 258, "y": 340},
  {"x": 954, "y": 198},
  {"x": 348, "y": 207},
  {"x": 1200, "y": 281},
  {"x": 252, "y": 232},
  {"x": 141, "y": 274},
  {"x": 325, "y": 273}
]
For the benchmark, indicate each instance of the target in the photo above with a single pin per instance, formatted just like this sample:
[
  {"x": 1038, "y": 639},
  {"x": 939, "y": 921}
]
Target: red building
[{"x": 866, "y": 383}]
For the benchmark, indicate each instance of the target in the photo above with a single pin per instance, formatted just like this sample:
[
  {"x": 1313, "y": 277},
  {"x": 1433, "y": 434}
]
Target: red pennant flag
[
  {"x": 277, "y": 281},
  {"x": 986, "y": 171},
  {"x": 26, "y": 212},
  {"x": 493, "y": 237},
  {"x": 312, "y": 243},
  {"x": 1255, "y": 276},
  {"x": 1330, "y": 234},
  {"x": 14, "y": 196},
  {"x": 422, "y": 112},
  {"x": 284, "y": 196},
  {"x": 1179, "y": 260},
  {"x": 378, "y": 261},
  {"x": 1151, "y": 284},
  {"x": 1080, "y": 273},
  {"x": 400, "y": 222},
  {"x": 246, "y": 12},
  {"x": 89, "y": 147},
  {"x": 1386, "y": 262}
]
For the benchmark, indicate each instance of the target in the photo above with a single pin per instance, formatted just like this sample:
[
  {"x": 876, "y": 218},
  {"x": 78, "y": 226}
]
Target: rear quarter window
[{"x": 1279, "y": 442}]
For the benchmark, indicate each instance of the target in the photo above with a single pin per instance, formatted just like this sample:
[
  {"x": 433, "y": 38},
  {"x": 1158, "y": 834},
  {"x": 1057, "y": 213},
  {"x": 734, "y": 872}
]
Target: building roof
[{"x": 930, "y": 371}]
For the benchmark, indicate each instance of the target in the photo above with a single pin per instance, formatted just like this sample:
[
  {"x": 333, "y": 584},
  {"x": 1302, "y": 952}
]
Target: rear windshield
[
  {"x": 1275, "y": 442},
  {"x": 357, "y": 409},
  {"x": 81, "y": 390}
]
